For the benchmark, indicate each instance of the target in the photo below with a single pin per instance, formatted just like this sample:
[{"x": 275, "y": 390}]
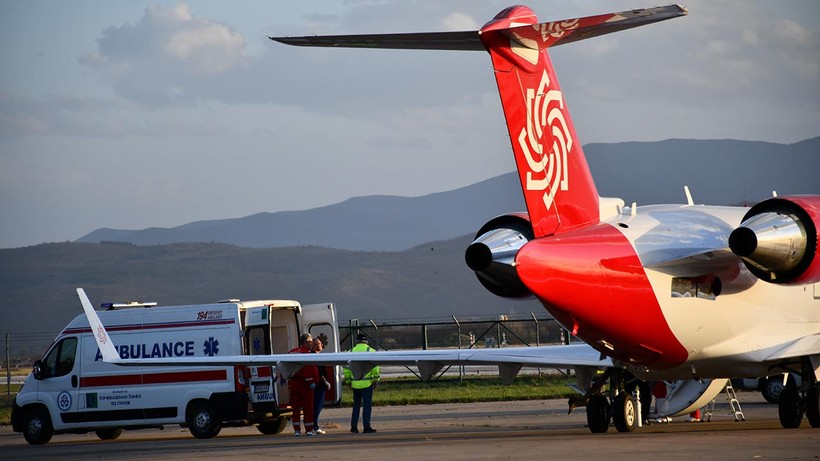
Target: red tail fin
[
  {"x": 557, "y": 184},
  {"x": 558, "y": 187}
]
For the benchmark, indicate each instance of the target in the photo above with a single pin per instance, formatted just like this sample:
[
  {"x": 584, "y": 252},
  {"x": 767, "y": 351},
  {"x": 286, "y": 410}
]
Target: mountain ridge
[
  {"x": 718, "y": 172},
  {"x": 424, "y": 278}
]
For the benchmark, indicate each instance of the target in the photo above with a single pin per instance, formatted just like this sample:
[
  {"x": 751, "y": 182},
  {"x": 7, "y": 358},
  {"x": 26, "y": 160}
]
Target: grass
[
  {"x": 6, "y": 402},
  {"x": 411, "y": 391}
]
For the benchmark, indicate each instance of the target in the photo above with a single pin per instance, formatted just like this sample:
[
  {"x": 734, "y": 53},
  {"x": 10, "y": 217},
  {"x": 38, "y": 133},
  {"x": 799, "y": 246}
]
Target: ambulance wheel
[
  {"x": 598, "y": 414},
  {"x": 772, "y": 387},
  {"x": 202, "y": 421},
  {"x": 273, "y": 427},
  {"x": 625, "y": 412},
  {"x": 37, "y": 427},
  {"x": 110, "y": 433}
]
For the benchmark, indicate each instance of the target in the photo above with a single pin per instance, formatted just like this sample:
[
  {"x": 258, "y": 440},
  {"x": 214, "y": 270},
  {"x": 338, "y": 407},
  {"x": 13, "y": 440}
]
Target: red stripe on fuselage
[
  {"x": 592, "y": 281},
  {"x": 154, "y": 378}
]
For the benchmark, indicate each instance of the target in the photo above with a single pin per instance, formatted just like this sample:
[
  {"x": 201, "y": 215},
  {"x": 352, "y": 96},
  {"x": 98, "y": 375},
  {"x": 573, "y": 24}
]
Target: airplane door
[
  {"x": 320, "y": 321},
  {"x": 59, "y": 381}
]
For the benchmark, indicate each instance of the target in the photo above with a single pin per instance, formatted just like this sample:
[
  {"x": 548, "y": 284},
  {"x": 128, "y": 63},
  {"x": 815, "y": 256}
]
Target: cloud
[
  {"x": 791, "y": 31},
  {"x": 171, "y": 58},
  {"x": 168, "y": 53},
  {"x": 458, "y": 22}
]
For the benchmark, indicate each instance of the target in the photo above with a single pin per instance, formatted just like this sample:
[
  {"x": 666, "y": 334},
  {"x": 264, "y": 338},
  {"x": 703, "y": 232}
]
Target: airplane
[{"x": 662, "y": 292}]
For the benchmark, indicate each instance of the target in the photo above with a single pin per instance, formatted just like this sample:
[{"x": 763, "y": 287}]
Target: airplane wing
[
  {"x": 805, "y": 346},
  {"x": 429, "y": 362}
]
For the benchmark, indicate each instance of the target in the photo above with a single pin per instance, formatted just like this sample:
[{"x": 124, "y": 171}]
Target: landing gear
[
  {"x": 598, "y": 414},
  {"x": 625, "y": 413},
  {"x": 791, "y": 407},
  {"x": 624, "y": 408},
  {"x": 795, "y": 401}
]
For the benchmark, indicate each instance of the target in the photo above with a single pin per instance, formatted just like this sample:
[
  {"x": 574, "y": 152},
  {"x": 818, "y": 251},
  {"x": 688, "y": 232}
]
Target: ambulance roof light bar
[{"x": 112, "y": 306}]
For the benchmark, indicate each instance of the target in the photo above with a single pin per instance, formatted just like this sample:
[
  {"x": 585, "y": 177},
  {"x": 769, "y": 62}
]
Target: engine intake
[
  {"x": 777, "y": 240},
  {"x": 492, "y": 255}
]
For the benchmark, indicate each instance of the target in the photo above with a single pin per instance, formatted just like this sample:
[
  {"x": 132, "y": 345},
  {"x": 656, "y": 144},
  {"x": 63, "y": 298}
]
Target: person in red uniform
[{"x": 301, "y": 386}]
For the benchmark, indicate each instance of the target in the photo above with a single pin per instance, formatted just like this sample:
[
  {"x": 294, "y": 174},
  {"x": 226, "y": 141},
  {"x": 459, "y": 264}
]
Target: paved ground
[{"x": 482, "y": 431}]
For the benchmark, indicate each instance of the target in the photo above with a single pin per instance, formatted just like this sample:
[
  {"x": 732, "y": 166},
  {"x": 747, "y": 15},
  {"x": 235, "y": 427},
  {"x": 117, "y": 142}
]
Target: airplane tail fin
[
  {"x": 107, "y": 349},
  {"x": 558, "y": 187}
]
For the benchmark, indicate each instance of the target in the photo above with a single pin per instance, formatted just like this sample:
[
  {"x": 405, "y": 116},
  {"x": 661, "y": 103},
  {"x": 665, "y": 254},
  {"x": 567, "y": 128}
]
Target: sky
[{"x": 130, "y": 114}]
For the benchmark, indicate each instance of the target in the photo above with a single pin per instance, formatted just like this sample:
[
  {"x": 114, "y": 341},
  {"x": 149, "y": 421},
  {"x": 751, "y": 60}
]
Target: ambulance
[{"x": 72, "y": 390}]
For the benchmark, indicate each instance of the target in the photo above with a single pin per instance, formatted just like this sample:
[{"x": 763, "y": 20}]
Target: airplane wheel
[
  {"x": 813, "y": 406},
  {"x": 791, "y": 407},
  {"x": 625, "y": 412},
  {"x": 598, "y": 414}
]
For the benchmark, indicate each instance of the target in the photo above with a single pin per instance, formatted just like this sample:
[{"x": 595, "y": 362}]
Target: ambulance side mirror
[{"x": 37, "y": 370}]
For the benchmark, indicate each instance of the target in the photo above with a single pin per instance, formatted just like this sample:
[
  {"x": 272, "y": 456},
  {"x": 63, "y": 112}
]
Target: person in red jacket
[{"x": 301, "y": 386}]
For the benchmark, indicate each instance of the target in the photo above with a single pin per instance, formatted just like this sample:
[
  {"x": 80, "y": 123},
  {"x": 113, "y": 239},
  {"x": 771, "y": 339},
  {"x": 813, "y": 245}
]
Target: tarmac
[{"x": 538, "y": 429}]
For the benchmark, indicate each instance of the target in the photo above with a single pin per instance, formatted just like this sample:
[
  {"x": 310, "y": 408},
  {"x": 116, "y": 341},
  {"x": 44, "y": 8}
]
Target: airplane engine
[
  {"x": 777, "y": 240},
  {"x": 492, "y": 253}
]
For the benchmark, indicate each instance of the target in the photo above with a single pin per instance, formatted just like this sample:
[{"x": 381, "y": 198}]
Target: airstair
[{"x": 734, "y": 404}]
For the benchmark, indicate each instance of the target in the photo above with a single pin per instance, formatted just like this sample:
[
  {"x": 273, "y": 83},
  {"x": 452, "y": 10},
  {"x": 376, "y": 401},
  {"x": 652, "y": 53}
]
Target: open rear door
[
  {"x": 261, "y": 382},
  {"x": 320, "y": 321}
]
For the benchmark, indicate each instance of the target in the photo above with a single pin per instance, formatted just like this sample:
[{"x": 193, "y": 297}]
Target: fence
[
  {"x": 500, "y": 332},
  {"x": 467, "y": 334},
  {"x": 21, "y": 349}
]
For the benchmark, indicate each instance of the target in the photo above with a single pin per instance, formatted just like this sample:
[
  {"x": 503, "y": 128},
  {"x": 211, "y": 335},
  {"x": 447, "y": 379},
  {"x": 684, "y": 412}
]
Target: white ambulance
[{"x": 71, "y": 389}]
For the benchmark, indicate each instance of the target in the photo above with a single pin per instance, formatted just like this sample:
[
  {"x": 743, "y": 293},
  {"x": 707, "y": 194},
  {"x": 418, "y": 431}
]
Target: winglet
[{"x": 109, "y": 353}]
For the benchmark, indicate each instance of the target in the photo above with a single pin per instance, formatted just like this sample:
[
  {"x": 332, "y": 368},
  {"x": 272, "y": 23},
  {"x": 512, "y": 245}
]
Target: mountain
[
  {"x": 377, "y": 223},
  {"x": 319, "y": 255},
  {"x": 718, "y": 172},
  {"x": 429, "y": 281}
]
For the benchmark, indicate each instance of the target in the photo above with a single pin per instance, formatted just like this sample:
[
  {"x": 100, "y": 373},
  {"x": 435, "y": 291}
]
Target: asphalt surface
[{"x": 480, "y": 431}]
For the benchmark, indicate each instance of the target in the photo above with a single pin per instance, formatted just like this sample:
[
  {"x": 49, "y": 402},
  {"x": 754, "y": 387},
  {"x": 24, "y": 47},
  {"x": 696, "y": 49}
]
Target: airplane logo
[
  {"x": 544, "y": 112},
  {"x": 555, "y": 30}
]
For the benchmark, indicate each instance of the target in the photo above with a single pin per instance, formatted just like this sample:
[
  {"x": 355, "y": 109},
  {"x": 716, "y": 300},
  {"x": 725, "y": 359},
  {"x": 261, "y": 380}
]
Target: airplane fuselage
[{"x": 649, "y": 289}]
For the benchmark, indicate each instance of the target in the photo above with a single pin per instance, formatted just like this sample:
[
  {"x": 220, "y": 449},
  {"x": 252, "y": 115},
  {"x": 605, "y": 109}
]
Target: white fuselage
[{"x": 740, "y": 331}]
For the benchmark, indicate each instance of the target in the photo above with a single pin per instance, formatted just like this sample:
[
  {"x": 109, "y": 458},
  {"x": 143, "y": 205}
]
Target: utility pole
[{"x": 8, "y": 369}]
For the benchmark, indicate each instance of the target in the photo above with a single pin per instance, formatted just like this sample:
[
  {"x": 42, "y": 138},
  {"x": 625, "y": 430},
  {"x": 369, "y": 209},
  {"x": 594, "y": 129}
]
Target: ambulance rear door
[
  {"x": 320, "y": 321},
  {"x": 257, "y": 334}
]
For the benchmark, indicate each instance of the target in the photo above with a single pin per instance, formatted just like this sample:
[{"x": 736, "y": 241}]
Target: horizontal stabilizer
[
  {"x": 459, "y": 41},
  {"x": 546, "y": 34}
]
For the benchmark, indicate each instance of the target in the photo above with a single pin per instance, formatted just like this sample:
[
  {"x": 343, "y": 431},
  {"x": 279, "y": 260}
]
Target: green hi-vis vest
[{"x": 368, "y": 379}]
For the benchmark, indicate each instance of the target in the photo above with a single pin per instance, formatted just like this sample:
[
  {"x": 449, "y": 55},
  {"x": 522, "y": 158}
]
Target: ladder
[{"x": 734, "y": 404}]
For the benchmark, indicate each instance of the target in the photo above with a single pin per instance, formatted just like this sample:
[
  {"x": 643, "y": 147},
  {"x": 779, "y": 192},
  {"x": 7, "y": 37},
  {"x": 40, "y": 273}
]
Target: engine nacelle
[
  {"x": 777, "y": 240},
  {"x": 492, "y": 254}
]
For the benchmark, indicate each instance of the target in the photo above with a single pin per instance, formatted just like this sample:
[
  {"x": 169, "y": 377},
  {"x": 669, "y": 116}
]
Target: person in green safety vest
[{"x": 362, "y": 389}]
